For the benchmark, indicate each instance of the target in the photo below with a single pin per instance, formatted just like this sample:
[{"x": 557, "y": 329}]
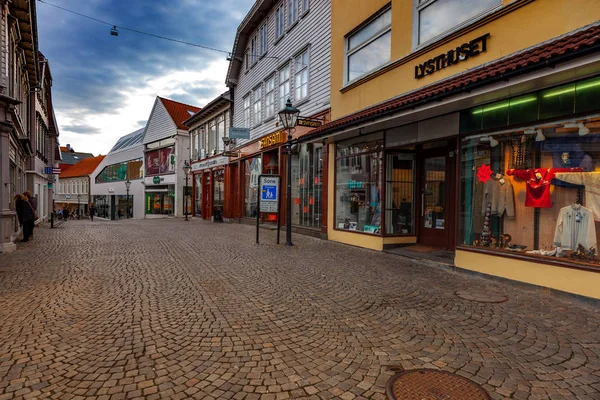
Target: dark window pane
[
  {"x": 470, "y": 120},
  {"x": 523, "y": 109},
  {"x": 557, "y": 102},
  {"x": 587, "y": 95},
  {"x": 495, "y": 115}
]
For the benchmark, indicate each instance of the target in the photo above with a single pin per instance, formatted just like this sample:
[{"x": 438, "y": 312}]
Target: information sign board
[{"x": 269, "y": 194}]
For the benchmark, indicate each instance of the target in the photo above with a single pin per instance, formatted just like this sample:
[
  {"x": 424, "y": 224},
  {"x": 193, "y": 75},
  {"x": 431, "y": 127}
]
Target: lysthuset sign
[{"x": 461, "y": 53}]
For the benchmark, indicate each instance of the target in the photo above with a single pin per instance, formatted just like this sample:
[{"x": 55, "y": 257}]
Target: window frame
[
  {"x": 247, "y": 115},
  {"x": 280, "y": 21},
  {"x": 375, "y": 36},
  {"x": 268, "y": 92},
  {"x": 282, "y": 99},
  {"x": 304, "y": 5},
  {"x": 253, "y": 50},
  {"x": 292, "y": 11},
  {"x": 264, "y": 37},
  {"x": 300, "y": 71},
  {"x": 257, "y": 105},
  {"x": 419, "y": 6}
]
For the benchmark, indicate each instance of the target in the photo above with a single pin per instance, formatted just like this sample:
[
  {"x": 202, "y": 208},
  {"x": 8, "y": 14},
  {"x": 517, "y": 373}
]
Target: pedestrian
[
  {"x": 92, "y": 211},
  {"x": 59, "y": 213},
  {"x": 26, "y": 216},
  {"x": 30, "y": 207},
  {"x": 66, "y": 213},
  {"x": 119, "y": 213}
]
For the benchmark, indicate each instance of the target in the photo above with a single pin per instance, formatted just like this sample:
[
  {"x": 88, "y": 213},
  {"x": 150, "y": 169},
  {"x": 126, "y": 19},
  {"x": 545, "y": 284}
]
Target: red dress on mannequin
[{"x": 538, "y": 184}]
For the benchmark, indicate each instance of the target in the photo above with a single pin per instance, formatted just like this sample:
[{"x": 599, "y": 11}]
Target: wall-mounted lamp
[
  {"x": 539, "y": 137},
  {"x": 583, "y": 130},
  {"x": 493, "y": 142}
]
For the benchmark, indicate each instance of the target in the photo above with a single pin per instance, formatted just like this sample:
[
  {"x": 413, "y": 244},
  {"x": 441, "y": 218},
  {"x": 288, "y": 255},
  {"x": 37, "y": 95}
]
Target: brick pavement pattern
[{"x": 167, "y": 309}]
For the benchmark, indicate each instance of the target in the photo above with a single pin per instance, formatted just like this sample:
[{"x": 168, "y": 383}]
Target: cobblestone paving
[{"x": 161, "y": 309}]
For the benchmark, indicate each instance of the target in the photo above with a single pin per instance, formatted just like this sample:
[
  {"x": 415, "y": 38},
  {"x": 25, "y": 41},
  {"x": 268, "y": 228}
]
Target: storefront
[{"x": 208, "y": 178}]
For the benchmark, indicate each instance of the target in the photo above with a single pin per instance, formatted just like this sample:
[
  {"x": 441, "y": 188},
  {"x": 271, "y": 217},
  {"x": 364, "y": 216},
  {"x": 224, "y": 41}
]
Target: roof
[
  {"x": 129, "y": 140},
  {"x": 210, "y": 108},
  {"x": 82, "y": 168},
  {"x": 569, "y": 46},
  {"x": 179, "y": 112},
  {"x": 68, "y": 157}
]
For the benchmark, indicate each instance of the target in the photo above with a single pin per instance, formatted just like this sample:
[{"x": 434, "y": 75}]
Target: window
[
  {"x": 435, "y": 17},
  {"x": 220, "y": 132},
  {"x": 400, "y": 193},
  {"x": 257, "y": 110},
  {"x": 284, "y": 86},
  {"x": 270, "y": 96},
  {"x": 132, "y": 169},
  {"x": 252, "y": 170},
  {"x": 307, "y": 182},
  {"x": 301, "y": 69},
  {"x": 292, "y": 12},
  {"x": 303, "y": 6},
  {"x": 263, "y": 39},
  {"x": 370, "y": 47},
  {"x": 279, "y": 21},
  {"x": 212, "y": 138},
  {"x": 253, "y": 50},
  {"x": 247, "y": 112}
]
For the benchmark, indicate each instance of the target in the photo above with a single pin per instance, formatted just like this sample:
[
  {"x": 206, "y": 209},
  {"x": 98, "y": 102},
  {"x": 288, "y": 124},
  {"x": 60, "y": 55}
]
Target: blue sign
[
  {"x": 269, "y": 193},
  {"x": 239, "y": 133}
]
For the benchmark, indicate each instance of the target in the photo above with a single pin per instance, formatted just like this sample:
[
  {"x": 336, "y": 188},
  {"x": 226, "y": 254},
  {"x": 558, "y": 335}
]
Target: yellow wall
[
  {"x": 526, "y": 26},
  {"x": 566, "y": 279}
]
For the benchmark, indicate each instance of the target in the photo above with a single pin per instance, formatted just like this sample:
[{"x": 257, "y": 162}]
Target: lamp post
[
  {"x": 78, "y": 211},
  {"x": 127, "y": 186},
  {"x": 288, "y": 117},
  {"x": 186, "y": 171}
]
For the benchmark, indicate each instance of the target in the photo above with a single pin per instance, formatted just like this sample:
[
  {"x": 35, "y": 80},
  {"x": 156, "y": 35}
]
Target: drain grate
[
  {"x": 431, "y": 384},
  {"x": 481, "y": 297}
]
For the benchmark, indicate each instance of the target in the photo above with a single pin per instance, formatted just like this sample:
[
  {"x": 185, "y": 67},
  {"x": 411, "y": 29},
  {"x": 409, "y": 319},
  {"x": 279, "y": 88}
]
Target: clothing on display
[
  {"x": 591, "y": 182},
  {"x": 499, "y": 192},
  {"x": 575, "y": 226},
  {"x": 520, "y": 152},
  {"x": 538, "y": 184}
]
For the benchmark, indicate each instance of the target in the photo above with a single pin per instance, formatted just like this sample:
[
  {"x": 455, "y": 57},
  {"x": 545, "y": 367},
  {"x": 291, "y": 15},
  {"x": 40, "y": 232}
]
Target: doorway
[
  {"x": 206, "y": 197},
  {"x": 436, "y": 188}
]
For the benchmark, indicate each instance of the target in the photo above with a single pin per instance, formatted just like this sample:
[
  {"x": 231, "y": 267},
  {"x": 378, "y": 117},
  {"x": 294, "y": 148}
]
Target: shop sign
[
  {"x": 272, "y": 139},
  {"x": 461, "y": 53},
  {"x": 156, "y": 180},
  {"x": 239, "y": 133},
  {"x": 213, "y": 162},
  {"x": 309, "y": 122},
  {"x": 231, "y": 154}
]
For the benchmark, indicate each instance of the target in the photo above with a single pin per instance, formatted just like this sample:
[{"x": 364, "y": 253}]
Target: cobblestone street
[{"x": 158, "y": 309}]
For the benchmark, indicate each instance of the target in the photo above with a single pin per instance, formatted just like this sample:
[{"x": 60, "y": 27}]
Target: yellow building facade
[{"x": 472, "y": 127}]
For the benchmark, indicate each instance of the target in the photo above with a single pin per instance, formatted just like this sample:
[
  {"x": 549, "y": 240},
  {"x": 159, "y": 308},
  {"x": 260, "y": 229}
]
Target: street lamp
[
  {"x": 288, "y": 117},
  {"x": 186, "y": 170},
  {"x": 127, "y": 186},
  {"x": 78, "y": 211}
]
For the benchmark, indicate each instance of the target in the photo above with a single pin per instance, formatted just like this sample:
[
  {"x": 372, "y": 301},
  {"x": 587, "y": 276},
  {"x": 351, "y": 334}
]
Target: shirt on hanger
[
  {"x": 575, "y": 226},
  {"x": 591, "y": 181},
  {"x": 499, "y": 192},
  {"x": 538, "y": 184}
]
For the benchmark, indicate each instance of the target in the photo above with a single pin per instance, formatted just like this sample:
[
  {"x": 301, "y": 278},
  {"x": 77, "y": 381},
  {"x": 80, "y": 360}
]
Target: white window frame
[
  {"x": 247, "y": 116},
  {"x": 280, "y": 21},
  {"x": 264, "y": 37},
  {"x": 253, "y": 50},
  {"x": 304, "y": 5},
  {"x": 298, "y": 73},
  {"x": 270, "y": 96},
  {"x": 257, "y": 105},
  {"x": 366, "y": 42},
  {"x": 419, "y": 5},
  {"x": 282, "y": 82},
  {"x": 292, "y": 15}
]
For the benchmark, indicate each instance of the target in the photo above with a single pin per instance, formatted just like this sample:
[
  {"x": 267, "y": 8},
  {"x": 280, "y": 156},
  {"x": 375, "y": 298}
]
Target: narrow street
[{"x": 158, "y": 309}]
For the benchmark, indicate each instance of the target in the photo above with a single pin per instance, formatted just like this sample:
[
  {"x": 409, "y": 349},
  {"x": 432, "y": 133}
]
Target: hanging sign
[
  {"x": 461, "y": 53},
  {"x": 239, "y": 133},
  {"x": 309, "y": 122},
  {"x": 272, "y": 139}
]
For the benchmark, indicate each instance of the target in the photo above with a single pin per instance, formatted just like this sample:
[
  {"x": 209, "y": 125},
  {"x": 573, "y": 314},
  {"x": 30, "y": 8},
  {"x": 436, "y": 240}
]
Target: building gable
[{"x": 160, "y": 125}]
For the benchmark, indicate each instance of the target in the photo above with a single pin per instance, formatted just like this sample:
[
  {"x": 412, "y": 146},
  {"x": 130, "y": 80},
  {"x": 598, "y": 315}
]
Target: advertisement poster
[
  {"x": 152, "y": 162},
  {"x": 440, "y": 224},
  {"x": 165, "y": 160},
  {"x": 428, "y": 219}
]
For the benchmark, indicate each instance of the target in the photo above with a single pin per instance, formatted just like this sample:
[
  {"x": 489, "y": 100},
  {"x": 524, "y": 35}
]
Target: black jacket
[{"x": 26, "y": 211}]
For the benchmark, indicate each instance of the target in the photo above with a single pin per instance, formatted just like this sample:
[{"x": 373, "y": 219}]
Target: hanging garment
[
  {"x": 499, "y": 192},
  {"x": 538, "y": 184},
  {"x": 575, "y": 226},
  {"x": 591, "y": 182}
]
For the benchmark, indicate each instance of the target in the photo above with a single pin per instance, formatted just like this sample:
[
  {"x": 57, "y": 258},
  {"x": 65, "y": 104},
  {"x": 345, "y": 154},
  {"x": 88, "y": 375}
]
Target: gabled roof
[
  {"x": 210, "y": 108},
  {"x": 68, "y": 157},
  {"x": 179, "y": 112},
  {"x": 127, "y": 141},
  {"x": 554, "y": 51},
  {"x": 82, "y": 168}
]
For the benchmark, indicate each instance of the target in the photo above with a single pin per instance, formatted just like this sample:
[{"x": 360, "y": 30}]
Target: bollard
[{"x": 52, "y": 219}]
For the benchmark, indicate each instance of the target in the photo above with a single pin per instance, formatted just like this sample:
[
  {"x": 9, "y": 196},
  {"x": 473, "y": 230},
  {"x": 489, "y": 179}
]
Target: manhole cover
[
  {"x": 431, "y": 384},
  {"x": 487, "y": 297}
]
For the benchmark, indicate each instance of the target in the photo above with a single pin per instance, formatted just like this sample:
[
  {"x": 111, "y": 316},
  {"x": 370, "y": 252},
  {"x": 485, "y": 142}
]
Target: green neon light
[
  {"x": 573, "y": 88},
  {"x": 505, "y": 104}
]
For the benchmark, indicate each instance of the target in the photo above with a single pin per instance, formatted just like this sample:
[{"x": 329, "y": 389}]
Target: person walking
[
  {"x": 27, "y": 218},
  {"x": 92, "y": 211}
]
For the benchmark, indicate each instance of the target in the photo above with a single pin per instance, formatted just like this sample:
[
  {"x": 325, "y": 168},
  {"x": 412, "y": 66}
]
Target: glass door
[{"x": 434, "y": 189}]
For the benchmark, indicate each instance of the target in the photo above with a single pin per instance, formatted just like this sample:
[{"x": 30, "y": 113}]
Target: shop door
[
  {"x": 435, "y": 190},
  {"x": 206, "y": 195}
]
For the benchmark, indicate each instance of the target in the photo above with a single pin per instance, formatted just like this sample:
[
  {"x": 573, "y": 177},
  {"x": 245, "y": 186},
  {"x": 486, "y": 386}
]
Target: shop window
[
  {"x": 400, "y": 193},
  {"x": 358, "y": 187},
  {"x": 523, "y": 109},
  {"x": 253, "y": 168},
  {"x": 307, "y": 184},
  {"x": 434, "y": 18},
  {"x": 198, "y": 205},
  {"x": 218, "y": 189},
  {"x": 533, "y": 192},
  {"x": 587, "y": 95},
  {"x": 557, "y": 102},
  {"x": 370, "y": 47}
]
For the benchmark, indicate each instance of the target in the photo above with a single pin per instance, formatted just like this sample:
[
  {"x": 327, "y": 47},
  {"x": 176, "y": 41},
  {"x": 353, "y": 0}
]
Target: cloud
[{"x": 104, "y": 86}]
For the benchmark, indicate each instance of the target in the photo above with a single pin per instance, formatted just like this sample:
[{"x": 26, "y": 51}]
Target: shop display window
[
  {"x": 400, "y": 192},
  {"x": 218, "y": 189},
  {"x": 132, "y": 169},
  {"x": 307, "y": 185},
  {"x": 358, "y": 178},
  {"x": 253, "y": 168},
  {"x": 535, "y": 192},
  {"x": 198, "y": 205}
]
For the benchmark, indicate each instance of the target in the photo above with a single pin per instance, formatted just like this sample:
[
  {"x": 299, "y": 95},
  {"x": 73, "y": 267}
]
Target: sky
[{"x": 104, "y": 86}]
